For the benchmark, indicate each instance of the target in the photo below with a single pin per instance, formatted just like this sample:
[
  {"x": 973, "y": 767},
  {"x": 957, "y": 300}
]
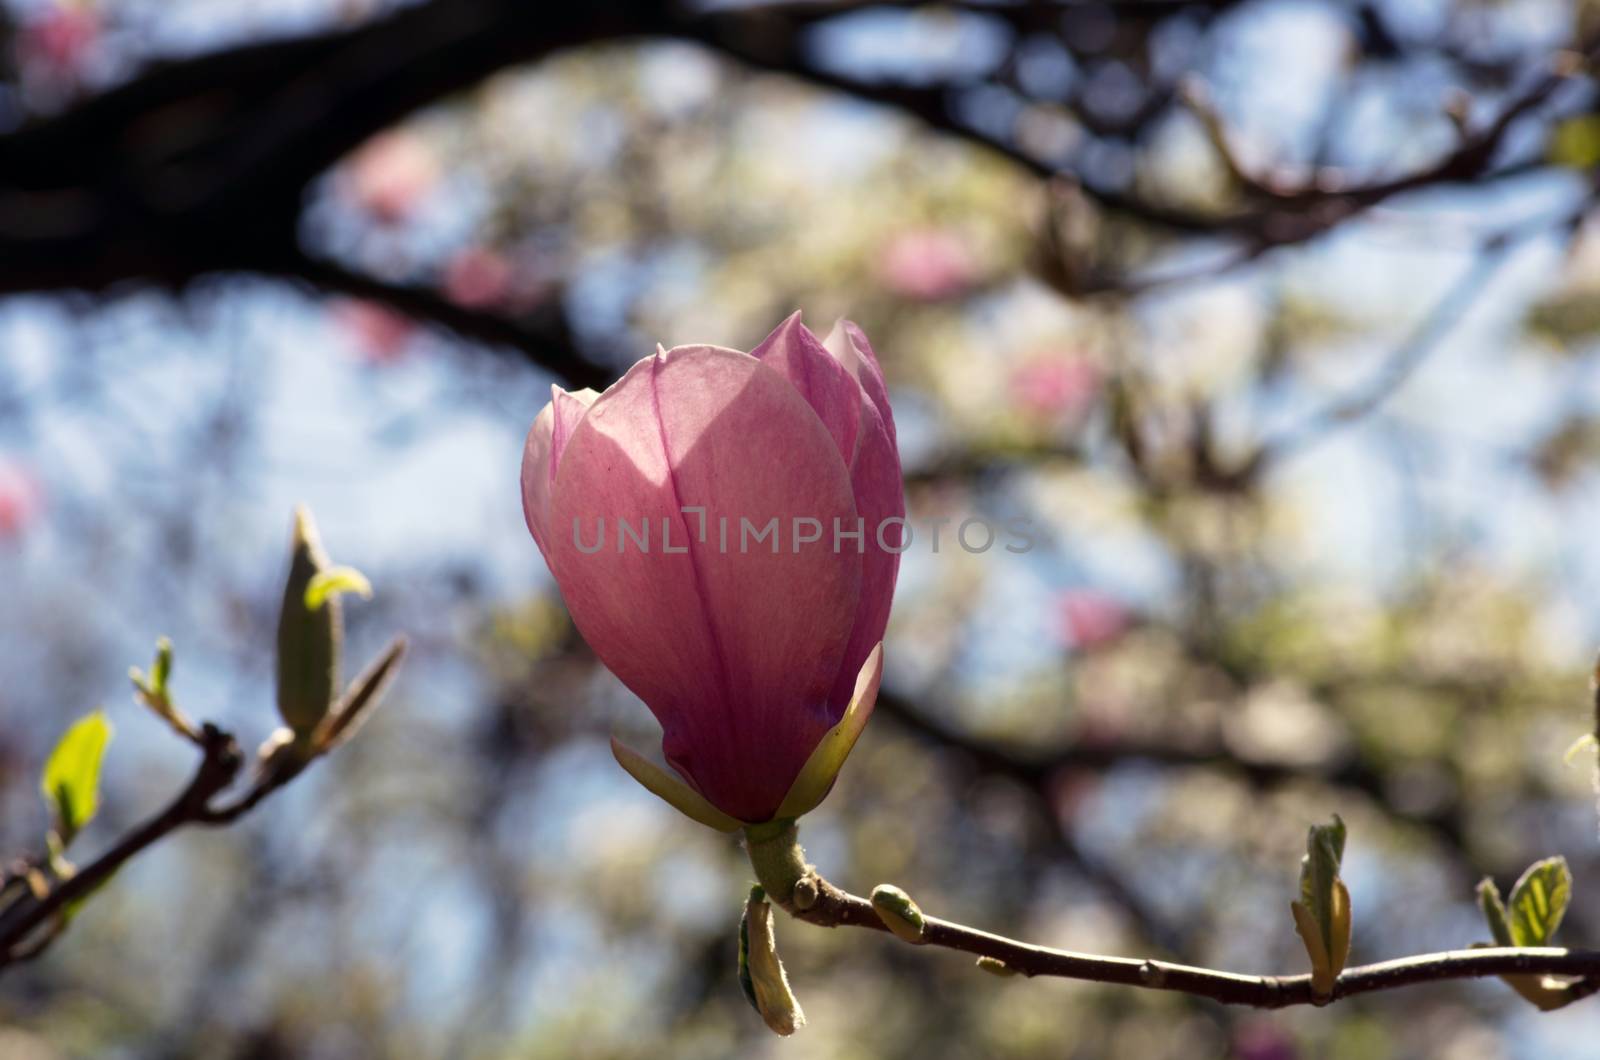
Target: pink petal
[
  {"x": 541, "y": 453},
  {"x": 735, "y": 653},
  {"x": 849, "y": 344},
  {"x": 879, "y": 494},
  {"x": 831, "y": 391}
]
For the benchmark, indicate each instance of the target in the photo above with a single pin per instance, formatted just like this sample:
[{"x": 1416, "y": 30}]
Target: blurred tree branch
[
  {"x": 38, "y": 902},
  {"x": 202, "y": 165}
]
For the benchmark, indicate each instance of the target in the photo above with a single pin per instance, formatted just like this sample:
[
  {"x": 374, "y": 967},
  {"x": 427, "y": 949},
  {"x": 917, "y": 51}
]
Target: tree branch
[
  {"x": 546, "y": 342},
  {"x": 48, "y": 906},
  {"x": 814, "y": 900}
]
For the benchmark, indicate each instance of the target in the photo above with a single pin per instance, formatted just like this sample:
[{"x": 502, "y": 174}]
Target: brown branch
[
  {"x": 219, "y": 765},
  {"x": 546, "y": 342},
  {"x": 836, "y": 908},
  {"x": 1401, "y": 362},
  {"x": 201, "y": 165},
  {"x": 809, "y": 897},
  {"x": 31, "y": 922}
]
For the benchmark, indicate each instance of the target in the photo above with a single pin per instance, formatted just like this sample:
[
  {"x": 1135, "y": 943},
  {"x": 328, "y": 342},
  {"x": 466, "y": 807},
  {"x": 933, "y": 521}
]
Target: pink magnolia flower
[
  {"x": 747, "y": 650},
  {"x": 391, "y": 174},
  {"x": 1090, "y": 618},
  {"x": 380, "y": 334},
  {"x": 478, "y": 278},
  {"x": 929, "y": 264},
  {"x": 21, "y": 499},
  {"x": 58, "y": 46},
  {"x": 1054, "y": 386}
]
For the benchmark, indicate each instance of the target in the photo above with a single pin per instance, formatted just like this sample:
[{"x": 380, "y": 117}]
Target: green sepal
[
  {"x": 671, "y": 790},
  {"x": 769, "y": 987},
  {"x": 816, "y": 777},
  {"x": 358, "y": 700},
  {"x": 757, "y": 894}
]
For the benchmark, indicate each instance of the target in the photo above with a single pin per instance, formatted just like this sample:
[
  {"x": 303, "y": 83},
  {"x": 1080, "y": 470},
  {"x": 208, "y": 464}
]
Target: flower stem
[{"x": 780, "y": 864}]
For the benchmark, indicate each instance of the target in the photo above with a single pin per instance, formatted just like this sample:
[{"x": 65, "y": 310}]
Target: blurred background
[{"x": 1279, "y": 318}]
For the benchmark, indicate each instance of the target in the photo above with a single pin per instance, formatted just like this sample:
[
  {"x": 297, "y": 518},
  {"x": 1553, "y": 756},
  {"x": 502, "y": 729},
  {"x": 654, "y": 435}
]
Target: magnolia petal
[
  {"x": 849, "y": 345},
  {"x": 671, "y": 790},
  {"x": 822, "y": 768},
  {"x": 831, "y": 390},
  {"x": 880, "y": 498},
  {"x": 541, "y": 455}
]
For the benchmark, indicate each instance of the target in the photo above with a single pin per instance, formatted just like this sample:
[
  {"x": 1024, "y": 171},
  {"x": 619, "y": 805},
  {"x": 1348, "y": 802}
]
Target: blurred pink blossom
[
  {"x": 928, "y": 264},
  {"x": 21, "y": 499},
  {"x": 58, "y": 44},
  {"x": 1259, "y": 1040},
  {"x": 390, "y": 175},
  {"x": 1090, "y": 618},
  {"x": 478, "y": 278},
  {"x": 380, "y": 334},
  {"x": 1061, "y": 385}
]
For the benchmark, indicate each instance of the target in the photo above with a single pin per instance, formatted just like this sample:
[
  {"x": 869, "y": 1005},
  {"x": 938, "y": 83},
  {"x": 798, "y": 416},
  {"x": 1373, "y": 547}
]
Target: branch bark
[{"x": 808, "y": 897}]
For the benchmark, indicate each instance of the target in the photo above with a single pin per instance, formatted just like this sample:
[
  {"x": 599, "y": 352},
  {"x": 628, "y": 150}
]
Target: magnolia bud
[
  {"x": 308, "y": 638},
  {"x": 742, "y": 599},
  {"x": 898, "y": 912}
]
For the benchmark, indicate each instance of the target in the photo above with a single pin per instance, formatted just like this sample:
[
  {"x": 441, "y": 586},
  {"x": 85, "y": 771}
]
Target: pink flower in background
[
  {"x": 928, "y": 264},
  {"x": 1259, "y": 1040},
  {"x": 478, "y": 278},
  {"x": 21, "y": 499},
  {"x": 1090, "y": 618},
  {"x": 1056, "y": 386},
  {"x": 390, "y": 175},
  {"x": 746, "y": 655},
  {"x": 58, "y": 44},
  {"x": 381, "y": 335}
]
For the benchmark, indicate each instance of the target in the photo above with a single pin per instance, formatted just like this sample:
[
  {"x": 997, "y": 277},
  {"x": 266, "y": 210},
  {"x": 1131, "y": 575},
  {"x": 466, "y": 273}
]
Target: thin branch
[
  {"x": 551, "y": 347},
  {"x": 816, "y": 901},
  {"x": 34, "y": 920},
  {"x": 219, "y": 765},
  {"x": 1401, "y": 363}
]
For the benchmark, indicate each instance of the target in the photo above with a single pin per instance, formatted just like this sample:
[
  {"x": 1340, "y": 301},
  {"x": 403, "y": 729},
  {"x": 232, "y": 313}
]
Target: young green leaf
[
  {"x": 336, "y": 581},
  {"x": 1494, "y": 913},
  {"x": 152, "y": 691},
  {"x": 71, "y": 782},
  {"x": 1322, "y": 915},
  {"x": 1539, "y": 901}
]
